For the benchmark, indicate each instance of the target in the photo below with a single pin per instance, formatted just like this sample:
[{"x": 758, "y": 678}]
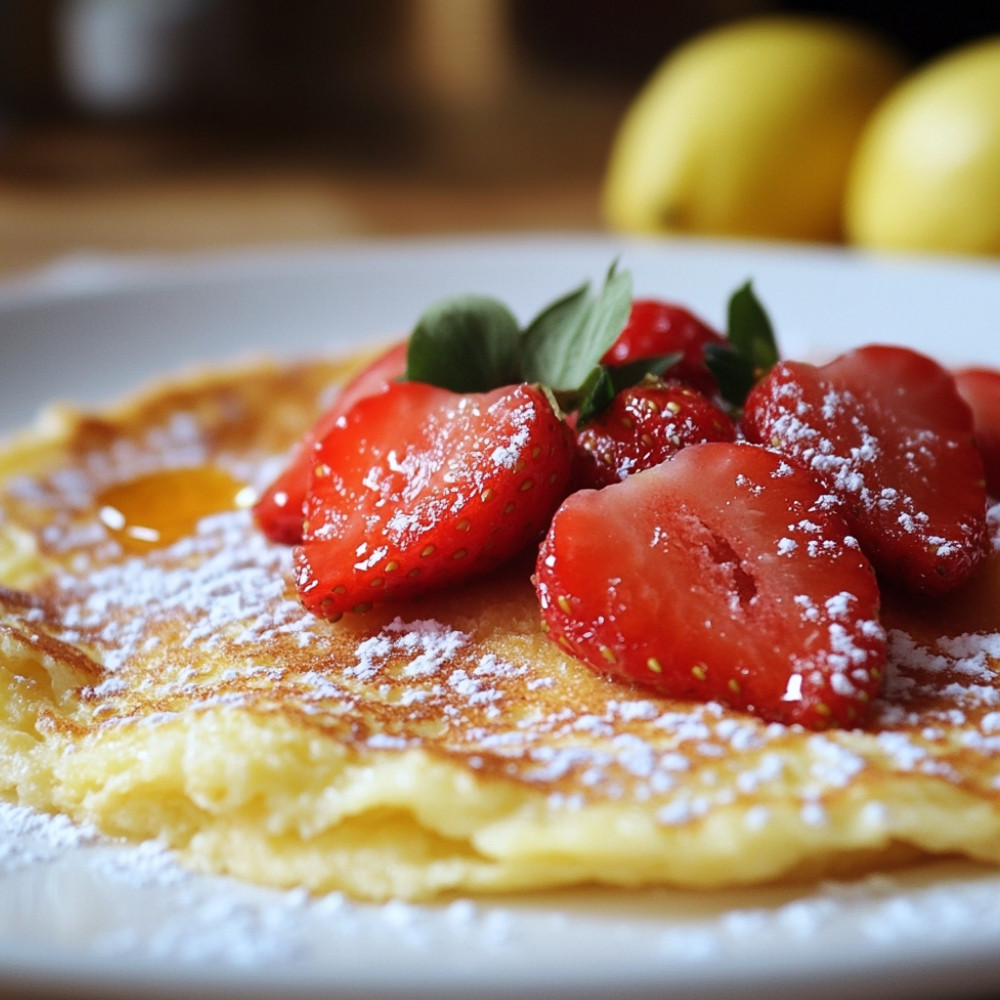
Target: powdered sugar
[
  {"x": 28, "y": 838},
  {"x": 225, "y": 584},
  {"x": 222, "y": 595},
  {"x": 874, "y": 443},
  {"x": 167, "y": 918}
]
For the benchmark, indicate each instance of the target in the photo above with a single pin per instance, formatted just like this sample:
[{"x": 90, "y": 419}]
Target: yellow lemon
[
  {"x": 926, "y": 175},
  {"x": 748, "y": 130}
]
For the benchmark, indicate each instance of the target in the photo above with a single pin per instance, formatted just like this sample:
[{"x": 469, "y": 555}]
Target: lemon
[
  {"x": 748, "y": 130},
  {"x": 926, "y": 175}
]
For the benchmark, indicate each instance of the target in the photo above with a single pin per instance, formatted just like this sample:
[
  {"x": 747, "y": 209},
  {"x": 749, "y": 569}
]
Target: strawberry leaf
[
  {"x": 733, "y": 372},
  {"x": 566, "y": 341},
  {"x": 750, "y": 330},
  {"x": 467, "y": 344},
  {"x": 634, "y": 372},
  {"x": 604, "y": 383},
  {"x": 595, "y": 395},
  {"x": 751, "y": 350}
]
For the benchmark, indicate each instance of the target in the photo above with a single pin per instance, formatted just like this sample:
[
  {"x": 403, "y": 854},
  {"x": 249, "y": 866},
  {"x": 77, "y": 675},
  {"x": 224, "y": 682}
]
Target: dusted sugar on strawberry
[
  {"x": 419, "y": 488},
  {"x": 887, "y": 432},
  {"x": 643, "y": 426},
  {"x": 726, "y": 574}
]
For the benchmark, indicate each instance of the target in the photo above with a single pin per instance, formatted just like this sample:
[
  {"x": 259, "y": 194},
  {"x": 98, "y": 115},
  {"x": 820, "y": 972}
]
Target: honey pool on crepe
[{"x": 160, "y": 679}]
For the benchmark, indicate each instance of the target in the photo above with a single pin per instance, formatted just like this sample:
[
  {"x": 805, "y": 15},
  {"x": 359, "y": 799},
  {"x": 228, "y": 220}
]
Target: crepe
[{"x": 160, "y": 679}]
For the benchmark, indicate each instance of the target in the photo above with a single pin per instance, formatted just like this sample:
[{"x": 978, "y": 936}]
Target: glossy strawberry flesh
[
  {"x": 644, "y": 426},
  {"x": 885, "y": 429},
  {"x": 280, "y": 510},
  {"x": 980, "y": 388},
  {"x": 723, "y": 574},
  {"x": 656, "y": 328},
  {"x": 419, "y": 488}
]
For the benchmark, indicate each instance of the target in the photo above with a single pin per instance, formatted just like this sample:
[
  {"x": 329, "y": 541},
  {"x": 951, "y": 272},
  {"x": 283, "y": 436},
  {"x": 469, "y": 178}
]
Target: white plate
[{"x": 79, "y": 918}]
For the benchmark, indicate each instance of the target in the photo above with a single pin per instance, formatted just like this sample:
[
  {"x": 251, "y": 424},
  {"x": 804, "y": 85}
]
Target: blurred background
[{"x": 165, "y": 125}]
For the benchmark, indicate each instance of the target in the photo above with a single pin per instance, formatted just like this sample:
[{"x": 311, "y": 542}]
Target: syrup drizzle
[{"x": 158, "y": 509}]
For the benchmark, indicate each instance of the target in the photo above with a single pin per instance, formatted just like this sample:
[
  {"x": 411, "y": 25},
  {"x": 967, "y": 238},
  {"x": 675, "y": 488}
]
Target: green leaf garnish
[
  {"x": 466, "y": 344},
  {"x": 594, "y": 395},
  {"x": 734, "y": 373},
  {"x": 473, "y": 343},
  {"x": 750, "y": 330},
  {"x": 564, "y": 343},
  {"x": 635, "y": 371},
  {"x": 604, "y": 383},
  {"x": 751, "y": 350}
]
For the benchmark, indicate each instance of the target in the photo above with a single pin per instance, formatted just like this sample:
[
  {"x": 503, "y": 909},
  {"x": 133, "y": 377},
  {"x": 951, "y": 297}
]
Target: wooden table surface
[{"x": 76, "y": 188}]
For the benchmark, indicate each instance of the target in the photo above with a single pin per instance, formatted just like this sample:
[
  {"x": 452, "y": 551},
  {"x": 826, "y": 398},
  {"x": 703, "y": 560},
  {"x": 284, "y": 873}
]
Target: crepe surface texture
[{"x": 159, "y": 679}]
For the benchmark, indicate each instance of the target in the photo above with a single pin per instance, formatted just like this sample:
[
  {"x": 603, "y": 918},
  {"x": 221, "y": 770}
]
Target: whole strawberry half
[
  {"x": 722, "y": 574},
  {"x": 643, "y": 426},
  {"x": 980, "y": 388},
  {"x": 887, "y": 432},
  {"x": 420, "y": 487},
  {"x": 280, "y": 509}
]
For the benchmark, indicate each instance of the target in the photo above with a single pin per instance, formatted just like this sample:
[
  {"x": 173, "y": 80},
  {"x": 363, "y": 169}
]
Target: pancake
[{"x": 160, "y": 679}]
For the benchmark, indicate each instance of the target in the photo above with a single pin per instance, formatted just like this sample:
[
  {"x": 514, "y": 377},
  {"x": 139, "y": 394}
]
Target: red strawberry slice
[
  {"x": 279, "y": 511},
  {"x": 980, "y": 388},
  {"x": 418, "y": 488},
  {"x": 643, "y": 426},
  {"x": 887, "y": 432},
  {"x": 722, "y": 574},
  {"x": 656, "y": 328}
]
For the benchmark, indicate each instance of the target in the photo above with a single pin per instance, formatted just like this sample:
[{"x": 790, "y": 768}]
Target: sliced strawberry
[
  {"x": 418, "y": 488},
  {"x": 656, "y": 329},
  {"x": 886, "y": 430},
  {"x": 980, "y": 388},
  {"x": 279, "y": 511},
  {"x": 725, "y": 573},
  {"x": 643, "y": 426}
]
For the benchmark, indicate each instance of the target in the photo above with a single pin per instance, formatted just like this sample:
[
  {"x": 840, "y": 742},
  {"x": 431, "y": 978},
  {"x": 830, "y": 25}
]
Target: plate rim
[{"x": 99, "y": 275}]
